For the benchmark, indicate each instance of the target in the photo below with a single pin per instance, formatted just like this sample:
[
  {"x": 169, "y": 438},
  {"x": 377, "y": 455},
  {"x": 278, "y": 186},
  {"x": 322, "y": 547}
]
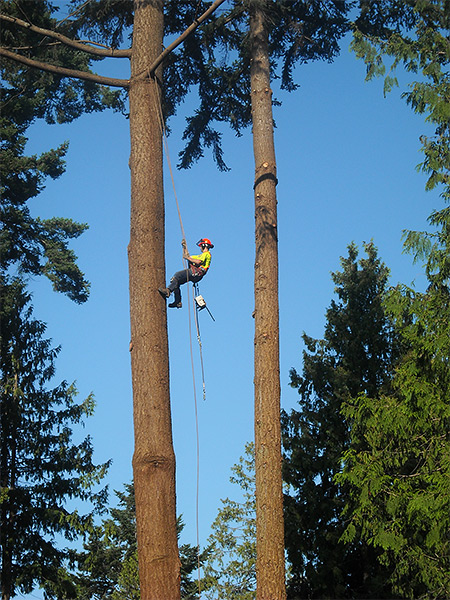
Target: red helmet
[{"x": 204, "y": 241}]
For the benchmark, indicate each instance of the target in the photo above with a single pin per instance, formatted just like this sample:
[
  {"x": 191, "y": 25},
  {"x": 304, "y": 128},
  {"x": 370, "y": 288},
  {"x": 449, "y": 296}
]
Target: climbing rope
[
  {"x": 159, "y": 112},
  {"x": 198, "y": 455},
  {"x": 199, "y": 339},
  {"x": 166, "y": 149}
]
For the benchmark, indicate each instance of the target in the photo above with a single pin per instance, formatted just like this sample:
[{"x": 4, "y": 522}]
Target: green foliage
[
  {"x": 432, "y": 247},
  {"x": 400, "y": 482},
  {"x": 128, "y": 580},
  {"x": 108, "y": 566},
  {"x": 215, "y": 59},
  {"x": 397, "y": 464},
  {"x": 42, "y": 468},
  {"x": 48, "y": 96},
  {"x": 110, "y": 548},
  {"x": 230, "y": 572},
  {"x": 31, "y": 245},
  {"x": 414, "y": 34},
  {"x": 354, "y": 356},
  {"x": 218, "y": 57}
]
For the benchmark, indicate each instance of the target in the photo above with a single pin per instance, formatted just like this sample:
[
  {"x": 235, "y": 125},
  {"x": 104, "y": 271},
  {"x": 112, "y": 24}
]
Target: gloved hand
[{"x": 185, "y": 250}]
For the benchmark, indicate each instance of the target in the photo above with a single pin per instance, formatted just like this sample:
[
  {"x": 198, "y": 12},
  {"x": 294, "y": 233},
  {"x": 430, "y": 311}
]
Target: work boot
[
  {"x": 175, "y": 304},
  {"x": 165, "y": 292}
]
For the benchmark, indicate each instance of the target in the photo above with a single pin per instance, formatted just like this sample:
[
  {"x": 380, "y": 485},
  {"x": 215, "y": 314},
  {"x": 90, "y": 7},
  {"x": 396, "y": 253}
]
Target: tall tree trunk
[
  {"x": 270, "y": 568},
  {"x": 154, "y": 458}
]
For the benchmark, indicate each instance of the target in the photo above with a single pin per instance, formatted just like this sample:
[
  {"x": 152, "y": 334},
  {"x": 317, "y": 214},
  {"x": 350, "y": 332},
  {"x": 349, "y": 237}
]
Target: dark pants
[{"x": 181, "y": 277}]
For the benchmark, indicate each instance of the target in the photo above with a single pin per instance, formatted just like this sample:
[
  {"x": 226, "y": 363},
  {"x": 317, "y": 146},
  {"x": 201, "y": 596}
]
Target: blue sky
[{"x": 346, "y": 159}]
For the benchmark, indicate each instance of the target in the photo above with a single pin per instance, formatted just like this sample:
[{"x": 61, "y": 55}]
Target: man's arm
[
  {"x": 194, "y": 261},
  {"x": 191, "y": 259}
]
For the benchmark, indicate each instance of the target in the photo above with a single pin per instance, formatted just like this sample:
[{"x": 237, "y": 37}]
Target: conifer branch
[
  {"x": 63, "y": 72},
  {"x": 181, "y": 38},
  {"x": 82, "y": 46}
]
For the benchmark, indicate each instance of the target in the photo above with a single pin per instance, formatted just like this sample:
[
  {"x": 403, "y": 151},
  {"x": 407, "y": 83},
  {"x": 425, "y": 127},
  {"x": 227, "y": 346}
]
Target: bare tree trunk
[
  {"x": 154, "y": 458},
  {"x": 270, "y": 569}
]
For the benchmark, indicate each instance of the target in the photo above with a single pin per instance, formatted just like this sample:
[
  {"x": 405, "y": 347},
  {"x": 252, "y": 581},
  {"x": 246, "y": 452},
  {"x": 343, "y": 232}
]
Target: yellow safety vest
[{"x": 205, "y": 257}]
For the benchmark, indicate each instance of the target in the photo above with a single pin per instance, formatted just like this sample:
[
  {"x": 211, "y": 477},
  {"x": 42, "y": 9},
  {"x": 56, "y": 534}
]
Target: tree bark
[
  {"x": 154, "y": 458},
  {"x": 270, "y": 569}
]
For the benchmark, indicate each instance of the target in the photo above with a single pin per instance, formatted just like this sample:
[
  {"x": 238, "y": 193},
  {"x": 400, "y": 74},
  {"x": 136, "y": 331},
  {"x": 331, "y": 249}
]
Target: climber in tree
[{"x": 198, "y": 267}]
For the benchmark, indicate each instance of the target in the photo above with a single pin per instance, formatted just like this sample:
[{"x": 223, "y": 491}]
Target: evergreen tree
[
  {"x": 270, "y": 563},
  {"x": 356, "y": 355},
  {"x": 29, "y": 245},
  {"x": 36, "y": 450},
  {"x": 42, "y": 469},
  {"x": 110, "y": 551},
  {"x": 400, "y": 482}
]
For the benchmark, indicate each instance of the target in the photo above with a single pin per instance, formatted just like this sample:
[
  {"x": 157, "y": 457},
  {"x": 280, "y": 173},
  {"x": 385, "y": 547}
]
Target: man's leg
[
  {"x": 179, "y": 278},
  {"x": 177, "y": 298}
]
